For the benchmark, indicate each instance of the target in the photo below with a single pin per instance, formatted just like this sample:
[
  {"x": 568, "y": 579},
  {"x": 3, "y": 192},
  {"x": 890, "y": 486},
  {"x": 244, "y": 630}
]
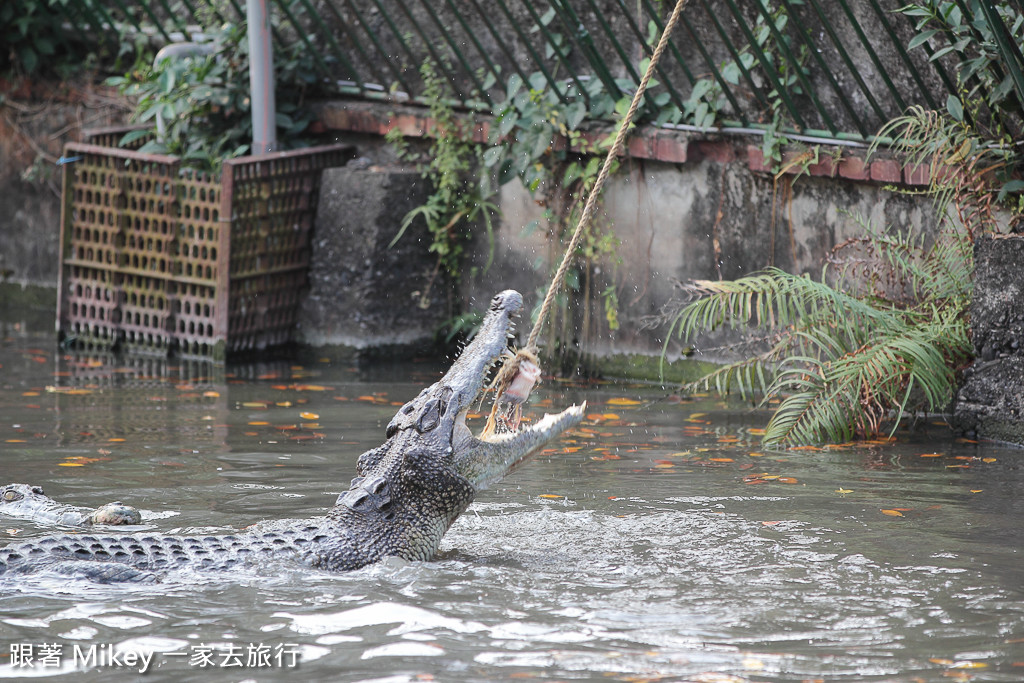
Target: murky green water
[{"x": 658, "y": 542}]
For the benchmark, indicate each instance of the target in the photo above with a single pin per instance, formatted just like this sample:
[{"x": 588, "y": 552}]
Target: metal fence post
[{"x": 261, "y": 78}]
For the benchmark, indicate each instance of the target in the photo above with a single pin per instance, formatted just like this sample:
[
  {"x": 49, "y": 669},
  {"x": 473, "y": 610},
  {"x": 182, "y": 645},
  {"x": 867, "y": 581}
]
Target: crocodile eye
[{"x": 11, "y": 495}]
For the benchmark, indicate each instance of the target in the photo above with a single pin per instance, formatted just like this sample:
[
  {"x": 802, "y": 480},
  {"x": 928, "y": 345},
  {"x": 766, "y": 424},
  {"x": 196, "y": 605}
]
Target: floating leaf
[
  {"x": 309, "y": 416},
  {"x": 969, "y": 665},
  {"x": 931, "y": 455},
  {"x": 623, "y": 402},
  {"x": 892, "y": 513},
  {"x": 69, "y": 391},
  {"x": 549, "y": 495},
  {"x": 988, "y": 459},
  {"x": 844, "y": 491}
]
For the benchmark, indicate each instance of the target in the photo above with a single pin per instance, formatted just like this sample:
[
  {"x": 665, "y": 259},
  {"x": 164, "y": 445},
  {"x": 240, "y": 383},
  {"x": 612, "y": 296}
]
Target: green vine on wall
[
  {"x": 204, "y": 100},
  {"x": 981, "y": 127},
  {"x": 459, "y": 200},
  {"x": 537, "y": 139}
]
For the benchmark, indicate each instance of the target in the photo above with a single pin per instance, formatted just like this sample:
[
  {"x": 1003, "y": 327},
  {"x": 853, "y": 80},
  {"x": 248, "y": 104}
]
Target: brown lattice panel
[{"x": 158, "y": 257}]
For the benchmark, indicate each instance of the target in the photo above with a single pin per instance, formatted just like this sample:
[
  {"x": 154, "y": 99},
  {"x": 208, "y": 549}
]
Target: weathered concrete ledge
[
  {"x": 669, "y": 145},
  {"x": 990, "y": 402},
  {"x": 364, "y": 294}
]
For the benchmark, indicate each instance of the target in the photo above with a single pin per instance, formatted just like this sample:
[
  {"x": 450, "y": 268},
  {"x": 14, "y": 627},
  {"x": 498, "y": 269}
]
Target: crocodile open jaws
[{"x": 407, "y": 494}]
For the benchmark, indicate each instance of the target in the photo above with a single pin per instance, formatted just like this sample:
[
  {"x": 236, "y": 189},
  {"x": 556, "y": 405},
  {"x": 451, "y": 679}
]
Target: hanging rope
[{"x": 516, "y": 377}]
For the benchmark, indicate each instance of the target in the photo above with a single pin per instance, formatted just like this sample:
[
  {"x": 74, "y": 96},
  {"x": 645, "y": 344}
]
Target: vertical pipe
[{"x": 261, "y": 77}]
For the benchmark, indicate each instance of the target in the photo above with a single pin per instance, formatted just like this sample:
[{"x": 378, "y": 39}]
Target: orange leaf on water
[
  {"x": 892, "y": 513},
  {"x": 623, "y": 402},
  {"x": 309, "y": 416}
]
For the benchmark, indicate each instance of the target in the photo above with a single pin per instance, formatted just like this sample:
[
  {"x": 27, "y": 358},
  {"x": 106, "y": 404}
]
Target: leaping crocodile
[{"x": 407, "y": 494}]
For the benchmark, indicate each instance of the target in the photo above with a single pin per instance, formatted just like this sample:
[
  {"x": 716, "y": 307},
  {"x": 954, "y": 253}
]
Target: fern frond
[
  {"x": 846, "y": 356},
  {"x": 748, "y": 376}
]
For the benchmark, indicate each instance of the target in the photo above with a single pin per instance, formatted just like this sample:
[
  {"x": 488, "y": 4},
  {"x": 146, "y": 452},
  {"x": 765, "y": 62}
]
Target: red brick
[
  {"x": 853, "y": 168},
  {"x": 755, "y": 159},
  {"x": 712, "y": 150},
  {"x": 671, "y": 149},
  {"x": 916, "y": 174},
  {"x": 825, "y": 168},
  {"x": 886, "y": 171},
  {"x": 640, "y": 147},
  {"x": 414, "y": 126},
  {"x": 796, "y": 163}
]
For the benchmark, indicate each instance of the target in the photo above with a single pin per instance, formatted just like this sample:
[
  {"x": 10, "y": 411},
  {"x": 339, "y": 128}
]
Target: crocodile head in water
[
  {"x": 426, "y": 474},
  {"x": 29, "y": 502}
]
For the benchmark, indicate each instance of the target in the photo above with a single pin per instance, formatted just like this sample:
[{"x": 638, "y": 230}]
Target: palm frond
[{"x": 846, "y": 356}]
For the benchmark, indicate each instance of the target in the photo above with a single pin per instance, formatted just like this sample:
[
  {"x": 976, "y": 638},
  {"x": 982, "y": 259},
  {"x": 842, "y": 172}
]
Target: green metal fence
[{"x": 836, "y": 69}]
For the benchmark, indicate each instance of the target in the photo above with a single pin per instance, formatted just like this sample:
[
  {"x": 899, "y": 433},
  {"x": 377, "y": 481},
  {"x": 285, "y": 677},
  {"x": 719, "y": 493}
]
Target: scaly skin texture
[
  {"x": 407, "y": 494},
  {"x": 29, "y": 502}
]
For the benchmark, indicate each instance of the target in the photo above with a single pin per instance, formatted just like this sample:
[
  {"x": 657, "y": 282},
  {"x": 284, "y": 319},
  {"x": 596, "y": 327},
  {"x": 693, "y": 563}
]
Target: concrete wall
[
  {"x": 684, "y": 206},
  {"x": 36, "y": 119},
  {"x": 710, "y": 219},
  {"x": 990, "y": 402}
]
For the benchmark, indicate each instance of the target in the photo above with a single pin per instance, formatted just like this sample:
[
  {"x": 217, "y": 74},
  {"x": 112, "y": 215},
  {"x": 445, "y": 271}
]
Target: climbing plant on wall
[{"x": 203, "y": 100}]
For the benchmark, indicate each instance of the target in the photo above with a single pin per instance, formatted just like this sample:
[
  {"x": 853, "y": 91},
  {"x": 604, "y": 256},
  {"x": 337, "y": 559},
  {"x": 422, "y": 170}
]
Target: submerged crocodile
[
  {"x": 407, "y": 494},
  {"x": 29, "y": 502}
]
